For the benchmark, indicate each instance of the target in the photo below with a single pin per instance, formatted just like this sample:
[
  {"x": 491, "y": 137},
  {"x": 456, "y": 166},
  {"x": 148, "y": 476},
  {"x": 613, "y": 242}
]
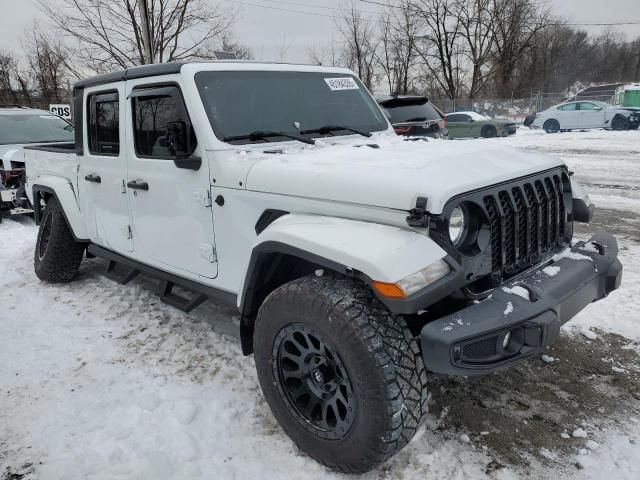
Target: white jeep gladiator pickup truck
[{"x": 359, "y": 260}]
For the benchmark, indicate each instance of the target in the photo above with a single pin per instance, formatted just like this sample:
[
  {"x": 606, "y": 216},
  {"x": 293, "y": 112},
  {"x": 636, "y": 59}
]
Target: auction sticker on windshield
[{"x": 342, "y": 83}]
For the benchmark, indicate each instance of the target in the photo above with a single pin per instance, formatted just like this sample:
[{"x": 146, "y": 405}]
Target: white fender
[
  {"x": 382, "y": 252},
  {"x": 66, "y": 195}
]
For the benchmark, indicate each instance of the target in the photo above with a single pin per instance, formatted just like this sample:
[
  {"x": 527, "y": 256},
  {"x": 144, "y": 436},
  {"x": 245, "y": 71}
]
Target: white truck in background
[
  {"x": 358, "y": 260},
  {"x": 20, "y": 126}
]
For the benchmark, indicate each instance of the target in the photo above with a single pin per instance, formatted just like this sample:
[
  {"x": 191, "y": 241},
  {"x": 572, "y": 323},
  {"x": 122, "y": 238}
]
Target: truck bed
[{"x": 59, "y": 160}]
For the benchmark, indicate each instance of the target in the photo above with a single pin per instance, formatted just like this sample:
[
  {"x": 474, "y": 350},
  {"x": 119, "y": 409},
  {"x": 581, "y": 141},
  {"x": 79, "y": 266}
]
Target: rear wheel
[
  {"x": 620, "y": 123},
  {"x": 489, "y": 131},
  {"x": 343, "y": 376},
  {"x": 57, "y": 256},
  {"x": 551, "y": 126}
]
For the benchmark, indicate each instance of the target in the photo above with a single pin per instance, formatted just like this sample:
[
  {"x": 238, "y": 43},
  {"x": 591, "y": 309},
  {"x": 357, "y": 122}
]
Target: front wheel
[
  {"x": 489, "y": 131},
  {"x": 620, "y": 123},
  {"x": 57, "y": 256},
  {"x": 342, "y": 375},
  {"x": 551, "y": 126}
]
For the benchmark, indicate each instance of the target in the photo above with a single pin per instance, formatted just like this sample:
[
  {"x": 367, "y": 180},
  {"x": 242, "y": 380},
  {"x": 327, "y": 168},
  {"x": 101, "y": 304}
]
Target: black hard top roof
[
  {"x": 130, "y": 73},
  {"x": 152, "y": 70}
]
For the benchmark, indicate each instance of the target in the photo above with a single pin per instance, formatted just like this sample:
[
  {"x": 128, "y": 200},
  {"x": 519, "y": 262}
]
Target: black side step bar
[
  {"x": 112, "y": 273},
  {"x": 178, "y": 301},
  {"x": 123, "y": 269}
]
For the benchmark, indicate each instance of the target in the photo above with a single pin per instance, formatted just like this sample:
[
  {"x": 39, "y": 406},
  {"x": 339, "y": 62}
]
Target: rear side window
[
  {"x": 411, "y": 111},
  {"x": 154, "y": 111},
  {"x": 104, "y": 123},
  {"x": 570, "y": 107}
]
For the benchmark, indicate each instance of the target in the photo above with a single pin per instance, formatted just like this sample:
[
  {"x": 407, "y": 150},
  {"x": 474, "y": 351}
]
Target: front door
[
  {"x": 170, "y": 206},
  {"x": 591, "y": 115},
  {"x": 103, "y": 170}
]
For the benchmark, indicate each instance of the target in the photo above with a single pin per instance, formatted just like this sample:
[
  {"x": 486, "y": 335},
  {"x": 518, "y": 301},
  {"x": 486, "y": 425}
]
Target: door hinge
[
  {"x": 129, "y": 232},
  {"x": 208, "y": 251},
  {"x": 203, "y": 197},
  {"x": 123, "y": 187}
]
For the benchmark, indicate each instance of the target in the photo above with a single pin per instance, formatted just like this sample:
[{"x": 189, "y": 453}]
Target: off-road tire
[
  {"x": 57, "y": 255},
  {"x": 619, "y": 123},
  {"x": 551, "y": 126},
  {"x": 489, "y": 131},
  {"x": 380, "y": 355}
]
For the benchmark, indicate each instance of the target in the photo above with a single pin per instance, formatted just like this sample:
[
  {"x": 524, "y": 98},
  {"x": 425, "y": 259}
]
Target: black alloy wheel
[
  {"x": 45, "y": 235},
  {"x": 314, "y": 381}
]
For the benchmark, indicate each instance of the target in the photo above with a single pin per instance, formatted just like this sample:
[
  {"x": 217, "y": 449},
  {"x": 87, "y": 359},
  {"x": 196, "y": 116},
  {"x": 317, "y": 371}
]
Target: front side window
[
  {"x": 155, "y": 115},
  {"x": 589, "y": 106},
  {"x": 34, "y": 128},
  {"x": 104, "y": 124},
  {"x": 458, "y": 117},
  {"x": 242, "y": 102}
]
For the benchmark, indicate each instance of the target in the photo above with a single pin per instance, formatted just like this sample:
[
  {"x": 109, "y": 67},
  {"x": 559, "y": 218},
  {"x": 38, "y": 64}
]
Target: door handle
[
  {"x": 138, "y": 185},
  {"x": 93, "y": 178}
]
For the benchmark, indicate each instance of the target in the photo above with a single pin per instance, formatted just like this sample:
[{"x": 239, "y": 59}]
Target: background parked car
[
  {"x": 584, "y": 115},
  {"x": 472, "y": 124},
  {"x": 21, "y": 126},
  {"x": 414, "y": 116}
]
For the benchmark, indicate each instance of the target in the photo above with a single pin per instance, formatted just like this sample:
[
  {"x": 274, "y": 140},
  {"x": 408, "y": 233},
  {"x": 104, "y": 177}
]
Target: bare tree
[
  {"x": 516, "y": 24},
  {"x": 324, "y": 54},
  {"x": 360, "y": 44},
  {"x": 48, "y": 64},
  {"x": 398, "y": 51},
  {"x": 440, "y": 45},
  {"x": 118, "y": 34},
  {"x": 15, "y": 84},
  {"x": 477, "y": 18}
]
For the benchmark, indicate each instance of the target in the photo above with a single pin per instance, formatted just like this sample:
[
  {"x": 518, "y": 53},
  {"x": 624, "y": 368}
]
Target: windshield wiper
[
  {"x": 334, "y": 128},
  {"x": 265, "y": 135}
]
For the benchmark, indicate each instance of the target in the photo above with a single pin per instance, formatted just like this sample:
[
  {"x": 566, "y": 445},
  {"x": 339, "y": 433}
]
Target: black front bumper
[{"x": 470, "y": 342}]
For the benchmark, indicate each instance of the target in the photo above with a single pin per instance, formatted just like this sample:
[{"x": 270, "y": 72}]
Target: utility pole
[{"x": 146, "y": 32}]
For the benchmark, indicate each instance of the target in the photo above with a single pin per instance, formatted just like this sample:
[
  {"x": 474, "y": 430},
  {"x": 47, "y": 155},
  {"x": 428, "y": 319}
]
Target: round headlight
[{"x": 456, "y": 225}]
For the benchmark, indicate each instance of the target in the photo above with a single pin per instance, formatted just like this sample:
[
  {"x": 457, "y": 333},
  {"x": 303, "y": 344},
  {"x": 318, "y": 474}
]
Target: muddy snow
[{"x": 103, "y": 381}]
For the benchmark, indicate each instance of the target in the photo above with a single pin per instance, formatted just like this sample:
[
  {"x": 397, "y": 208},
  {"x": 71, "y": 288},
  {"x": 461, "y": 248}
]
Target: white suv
[{"x": 357, "y": 259}]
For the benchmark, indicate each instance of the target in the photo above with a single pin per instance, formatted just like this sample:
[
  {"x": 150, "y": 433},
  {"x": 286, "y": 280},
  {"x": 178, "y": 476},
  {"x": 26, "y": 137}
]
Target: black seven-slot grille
[{"x": 528, "y": 221}]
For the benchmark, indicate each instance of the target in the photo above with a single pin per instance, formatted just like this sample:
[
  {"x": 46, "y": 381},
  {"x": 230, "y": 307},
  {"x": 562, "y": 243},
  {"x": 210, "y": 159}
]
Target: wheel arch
[
  {"x": 63, "y": 192},
  {"x": 297, "y": 245}
]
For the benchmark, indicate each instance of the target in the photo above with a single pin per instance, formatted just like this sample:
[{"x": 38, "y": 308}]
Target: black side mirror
[{"x": 178, "y": 141}]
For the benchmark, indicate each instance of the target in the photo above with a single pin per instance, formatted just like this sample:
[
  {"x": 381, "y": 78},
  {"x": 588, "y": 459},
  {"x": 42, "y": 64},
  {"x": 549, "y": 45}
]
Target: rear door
[
  {"x": 170, "y": 206},
  {"x": 568, "y": 116},
  {"x": 103, "y": 169}
]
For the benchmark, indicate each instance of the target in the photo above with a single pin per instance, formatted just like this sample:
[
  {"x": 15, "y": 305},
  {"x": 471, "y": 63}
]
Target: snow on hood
[{"x": 395, "y": 173}]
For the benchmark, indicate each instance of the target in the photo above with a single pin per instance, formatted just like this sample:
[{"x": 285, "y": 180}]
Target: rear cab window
[
  {"x": 103, "y": 123},
  {"x": 411, "y": 110}
]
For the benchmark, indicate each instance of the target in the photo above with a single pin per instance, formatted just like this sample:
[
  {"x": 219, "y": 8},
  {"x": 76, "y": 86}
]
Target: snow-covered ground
[{"x": 103, "y": 381}]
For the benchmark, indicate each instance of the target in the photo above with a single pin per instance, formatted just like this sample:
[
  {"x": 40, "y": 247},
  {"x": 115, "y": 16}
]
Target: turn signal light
[{"x": 389, "y": 290}]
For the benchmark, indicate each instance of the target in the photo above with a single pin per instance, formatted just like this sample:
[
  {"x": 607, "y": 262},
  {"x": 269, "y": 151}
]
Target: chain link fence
[{"x": 518, "y": 108}]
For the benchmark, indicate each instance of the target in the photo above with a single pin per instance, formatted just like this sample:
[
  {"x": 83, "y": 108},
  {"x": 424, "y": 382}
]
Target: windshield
[
  {"x": 30, "y": 128},
  {"x": 240, "y": 103},
  {"x": 419, "y": 110}
]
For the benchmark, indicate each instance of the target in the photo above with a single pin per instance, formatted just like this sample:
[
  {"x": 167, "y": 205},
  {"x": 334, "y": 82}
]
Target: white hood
[{"x": 394, "y": 174}]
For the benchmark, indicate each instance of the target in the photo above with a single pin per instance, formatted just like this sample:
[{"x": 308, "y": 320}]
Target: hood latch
[{"x": 418, "y": 216}]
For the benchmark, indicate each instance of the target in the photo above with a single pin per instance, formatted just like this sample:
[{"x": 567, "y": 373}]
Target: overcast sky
[{"x": 269, "y": 30}]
